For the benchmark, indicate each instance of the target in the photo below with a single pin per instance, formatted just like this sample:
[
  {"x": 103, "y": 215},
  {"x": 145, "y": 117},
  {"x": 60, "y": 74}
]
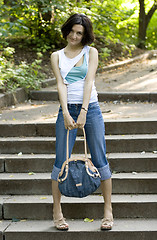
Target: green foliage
[
  {"x": 105, "y": 52},
  {"x": 39, "y": 21},
  {"x": 151, "y": 40},
  {"x": 36, "y": 20},
  {"x": 23, "y": 75}
]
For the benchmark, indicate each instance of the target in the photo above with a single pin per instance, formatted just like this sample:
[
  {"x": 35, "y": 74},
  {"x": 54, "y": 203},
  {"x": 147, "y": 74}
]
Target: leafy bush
[
  {"x": 23, "y": 75},
  {"x": 105, "y": 52}
]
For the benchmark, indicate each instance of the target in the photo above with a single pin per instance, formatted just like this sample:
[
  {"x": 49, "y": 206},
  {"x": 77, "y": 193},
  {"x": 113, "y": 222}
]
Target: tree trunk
[
  {"x": 142, "y": 25},
  {"x": 144, "y": 20}
]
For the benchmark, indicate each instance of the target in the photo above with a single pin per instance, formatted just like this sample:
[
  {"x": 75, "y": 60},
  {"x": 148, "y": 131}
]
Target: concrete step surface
[
  {"x": 119, "y": 162},
  {"x": 123, "y": 183},
  {"x": 46, "y": 145},
  {"x": 112, "y": 127},
  {"x": 123, "y": 229},
  {"x": 49, "y": 94},
  {"x": 40, "y": 206},
  {"x": 46, "y": 112},
  {"x": 3, "y": 226}
]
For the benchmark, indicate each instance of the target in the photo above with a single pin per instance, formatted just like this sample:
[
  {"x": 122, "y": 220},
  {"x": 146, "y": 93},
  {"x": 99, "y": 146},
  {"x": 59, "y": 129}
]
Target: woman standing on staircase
[{"x": 74, "y": 68}]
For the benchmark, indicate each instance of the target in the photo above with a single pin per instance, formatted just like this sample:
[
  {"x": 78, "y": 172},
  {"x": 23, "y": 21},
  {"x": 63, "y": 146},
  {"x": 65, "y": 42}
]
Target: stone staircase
[
  {"x": 27, "y": 155},
  {"x": 26, "y": 160}
]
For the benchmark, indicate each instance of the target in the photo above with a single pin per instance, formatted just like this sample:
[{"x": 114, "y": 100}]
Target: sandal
[
  {"x": 61, "y": 224},
  {"x": 107, "y": 224}
]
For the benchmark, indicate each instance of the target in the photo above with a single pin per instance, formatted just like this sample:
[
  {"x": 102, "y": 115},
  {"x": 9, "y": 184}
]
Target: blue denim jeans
[{"x": 95, "y": 135}]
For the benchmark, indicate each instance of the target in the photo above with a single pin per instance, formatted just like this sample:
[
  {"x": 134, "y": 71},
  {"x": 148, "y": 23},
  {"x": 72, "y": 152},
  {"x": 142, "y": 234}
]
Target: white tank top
[{"x": 75, "y": 90}]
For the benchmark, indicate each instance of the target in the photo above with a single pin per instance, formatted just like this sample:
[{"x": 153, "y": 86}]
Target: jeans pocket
[
  {"x": 94, "y": 111},
  {"x": 94, "y": 105}
]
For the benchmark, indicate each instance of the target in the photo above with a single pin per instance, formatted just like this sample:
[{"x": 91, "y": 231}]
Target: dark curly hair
[{"x": 88, "y": 36}]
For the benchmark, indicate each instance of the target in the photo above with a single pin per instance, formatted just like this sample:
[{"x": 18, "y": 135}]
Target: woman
[{"x": 74, "y": 68}]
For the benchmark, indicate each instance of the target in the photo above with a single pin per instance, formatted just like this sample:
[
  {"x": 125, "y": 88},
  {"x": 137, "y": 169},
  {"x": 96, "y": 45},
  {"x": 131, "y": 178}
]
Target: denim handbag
[{"x": 78, "y": 176}]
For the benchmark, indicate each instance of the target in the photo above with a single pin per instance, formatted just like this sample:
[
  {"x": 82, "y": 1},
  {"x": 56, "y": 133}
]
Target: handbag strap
[
  {"x": 67, "y": 147},
  {"x": 66, "y": 163}
]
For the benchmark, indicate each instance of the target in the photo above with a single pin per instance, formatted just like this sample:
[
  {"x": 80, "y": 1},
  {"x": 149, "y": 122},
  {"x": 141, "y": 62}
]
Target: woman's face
[{"x": 76, "y": 34}]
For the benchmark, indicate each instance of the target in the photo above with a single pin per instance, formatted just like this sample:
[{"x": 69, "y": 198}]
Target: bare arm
[
  {"x": 62, "y": 91},
  {"x": 92, "y": 67}
]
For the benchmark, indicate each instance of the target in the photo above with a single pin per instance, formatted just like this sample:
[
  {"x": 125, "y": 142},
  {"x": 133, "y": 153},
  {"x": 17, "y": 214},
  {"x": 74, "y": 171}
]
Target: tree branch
[{"x": 151, "y": 12}]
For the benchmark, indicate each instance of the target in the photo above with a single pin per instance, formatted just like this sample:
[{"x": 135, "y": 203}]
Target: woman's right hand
[{"x": 69, "y": 121}]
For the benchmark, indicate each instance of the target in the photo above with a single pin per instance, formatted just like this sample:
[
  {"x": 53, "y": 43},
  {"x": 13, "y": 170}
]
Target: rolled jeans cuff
[
  {"x": 55, "y": 173},
  {"x": 105, "y": 172}
]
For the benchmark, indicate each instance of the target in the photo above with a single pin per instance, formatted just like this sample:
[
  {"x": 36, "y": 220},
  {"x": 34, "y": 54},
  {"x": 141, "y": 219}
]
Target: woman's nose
[{"x": 74, "y": 35}]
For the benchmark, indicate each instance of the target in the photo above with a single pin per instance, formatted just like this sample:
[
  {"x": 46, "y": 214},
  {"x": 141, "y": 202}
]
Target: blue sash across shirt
[{"x": 77, "y": 73}]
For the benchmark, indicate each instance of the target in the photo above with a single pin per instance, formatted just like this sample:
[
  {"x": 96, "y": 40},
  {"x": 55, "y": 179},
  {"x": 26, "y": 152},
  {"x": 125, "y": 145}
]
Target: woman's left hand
[{"x": 81, "y": 119}]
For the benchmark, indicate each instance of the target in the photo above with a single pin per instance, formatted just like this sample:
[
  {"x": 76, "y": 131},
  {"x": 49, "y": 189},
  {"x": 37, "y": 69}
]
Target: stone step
[
  {"x": 37, "y": 183},
  {"x": 48, "y": 129},
  {"x": 133, "y": 162},
  {"x": 119, "y": 162},
  {"x": 46, "y": 145},
  {"x": 48, "y": 82},
  {"x": 40, "y": 207},
  {"x": 78, "y": 229},
  {"x": 48, "y": 94},
  {"x": 3, "y": 226}
]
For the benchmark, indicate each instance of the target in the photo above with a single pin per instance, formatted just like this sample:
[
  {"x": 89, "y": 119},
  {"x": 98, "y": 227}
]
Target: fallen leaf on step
[
  {"x": 31, "y": 173},
  {"x": 43, "y": 198},
  {"x": 143, "y": 152},
  {"x": 155, "y": 152},
  {"x": 15, "y": 220},
  {"x": 23, "y": 220},
  {"x": 106, "y": 111},
  {"x": 19, "y": 154},
  {"x": 88, "y": 220},
  {"x": 11, "y": 176},
  {"x": 14, "y": 119}
]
